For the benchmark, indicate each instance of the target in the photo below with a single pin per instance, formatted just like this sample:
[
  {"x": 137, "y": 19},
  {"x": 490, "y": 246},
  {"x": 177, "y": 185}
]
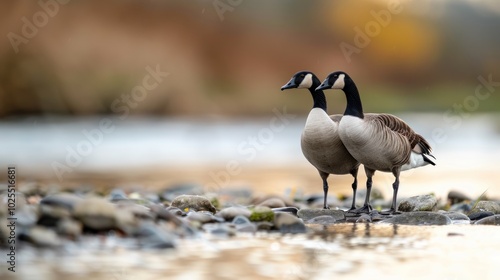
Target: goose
[
  {"x": 320, "y": 141},
  {"x": 379, "y": 141}
]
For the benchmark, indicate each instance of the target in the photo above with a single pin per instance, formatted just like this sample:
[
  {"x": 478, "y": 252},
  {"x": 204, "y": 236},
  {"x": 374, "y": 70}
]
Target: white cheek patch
[
  {"x": 306, "y": 82},
  {"x": 339, "y": 83}
]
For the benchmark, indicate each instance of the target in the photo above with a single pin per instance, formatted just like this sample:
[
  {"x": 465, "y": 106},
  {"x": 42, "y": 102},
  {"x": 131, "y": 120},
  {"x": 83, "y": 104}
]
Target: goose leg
[
  {"x": 395, "y": 187},
  {"x": 354, "y": 185},
  {"x": 367, "y": 208},
  {"x": 324, "y": 176}
]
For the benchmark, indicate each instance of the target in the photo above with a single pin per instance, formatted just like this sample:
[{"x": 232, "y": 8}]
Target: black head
[
  {"x": 335, "y": 80},
  {"x": 302, "y": 79}
]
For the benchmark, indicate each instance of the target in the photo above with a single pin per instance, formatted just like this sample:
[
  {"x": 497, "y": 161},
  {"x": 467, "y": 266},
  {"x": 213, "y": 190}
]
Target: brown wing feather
[{"x": 398, "y": 125}]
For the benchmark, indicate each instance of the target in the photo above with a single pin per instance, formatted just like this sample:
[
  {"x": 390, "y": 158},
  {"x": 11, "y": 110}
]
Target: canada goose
[
  {"x": 320, "y": 141},
  {"x": 378, "y": 141}
]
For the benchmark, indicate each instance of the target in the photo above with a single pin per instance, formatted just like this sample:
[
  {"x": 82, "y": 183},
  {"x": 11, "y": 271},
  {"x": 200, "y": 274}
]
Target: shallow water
[{"x": 340, "y": 251}]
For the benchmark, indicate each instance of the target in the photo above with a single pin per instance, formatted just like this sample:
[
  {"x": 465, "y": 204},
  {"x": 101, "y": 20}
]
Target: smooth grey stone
[
  {"x": 460, "y": 207},
  {"x": 241, "y": 220},
  {"x": 204, "y": 217},
  {"x": 41, "y": 237},
  {"x": 117, "y": 194},
  {"x": 418, "y": 203},
  {"x": 480, "y": 215},
  {"x": 456, "y": 217},
  {"x": 264, "y": 225},
  {"x": 151, "y": 236},
  {"x": 308, "y": 214},
  {"x": 291, "y": 210},
  {"x": 66, "y": 200},
  {"x": 485, "y": 205},
  {"x": 288, "y": 223},
  {"x": 222, "y": 230},
  {"x": 491, "y": 220},
  {"x": 176, "y": 211},
  {"x": 246, "y": 228},
  {"x": 364, "y": 218},
  {"x": 230, "y": 213},
  {"x": 193, "y": 202},
  {"x": 322, "y": 220},
  {"x": 418, "y": 218},
  {"x": 97, "y": 213},
  {"x": 162, "y": 213},
  {"x": 273, "y": 202}
]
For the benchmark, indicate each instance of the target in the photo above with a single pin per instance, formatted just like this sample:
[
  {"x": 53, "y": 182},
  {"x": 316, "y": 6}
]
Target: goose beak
[
  {"x": 290, "y": 84},
  {"x": 323, "y": 86}
]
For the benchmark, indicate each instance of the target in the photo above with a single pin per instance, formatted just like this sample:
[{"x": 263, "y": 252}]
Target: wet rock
[
  {"x": 455, "y": 197},
  {"x": 139, "y": 211},
  {"x": 261, "y": 199},
  {"x": 316, "y": 201},
  {"x": 162, "y": 213},
  {"x": 461, "y": 207},
  {"x": 65, "y": 200},
  {"x": 308, "y": 214},
  {"x": 262, "y": 214},
  {"x": 456, "y": 217},
  {"x": 193, "y": 202},
  {"x": 220, "y": 230},
  {"x": 152, "y": 236},
  {"x": 288, "y": 223},
  {"x": 290, "y": 210},
  {"x": 243, "y": 224},
  {"x": 202, "y": 217},
  {"x": 491, "y": 220},
  {"x": 364, "y": 218},
  {"x": 174, "y": 191},
  {"x": 484, "y": 205},
  {"x": 418, "y": 203},
  {"x": 176, "y": 211},
  {"x": 230, "y": 213},
  {"x": 480, "y": 215},
  {"x": 96, "y": 214},
  {"x": 273, "y": 203},
  {"x": 27, "y": 216},
  {"x": 266, "y": 226},
  {"x": 322, "y": 220},
  {"x": 376, "y": 216},
  {"x": 69, "y": 228},
  {"x": 41, "y": 237},
  {"x": 418, "y": 218},
  {"x": 117, "y": 195}
]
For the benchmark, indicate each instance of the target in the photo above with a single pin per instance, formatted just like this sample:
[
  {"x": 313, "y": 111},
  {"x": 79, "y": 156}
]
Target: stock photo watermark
[
  {"x": 31, "y": 26},
  {"x": 363, "y": 37},
  {"x": 223, "y": 6},
  {"x": 95, "y": 137},
  {"x": 11, "y": 218},
  {"x": 250, "y": 147}
]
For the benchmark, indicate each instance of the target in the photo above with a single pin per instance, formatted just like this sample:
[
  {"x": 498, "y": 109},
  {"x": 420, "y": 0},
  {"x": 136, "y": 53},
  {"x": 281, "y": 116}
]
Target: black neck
[
  {"x": 354, "y": 107},
  {"x": 317, "y": 95}
]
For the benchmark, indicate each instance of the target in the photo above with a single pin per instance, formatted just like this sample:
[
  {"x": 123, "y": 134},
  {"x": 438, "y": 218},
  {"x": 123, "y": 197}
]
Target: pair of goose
[{"x": 337, "y": 144}]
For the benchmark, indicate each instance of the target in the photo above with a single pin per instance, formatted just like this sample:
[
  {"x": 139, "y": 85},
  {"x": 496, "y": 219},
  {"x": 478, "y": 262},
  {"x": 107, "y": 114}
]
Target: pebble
[
  {"x": 176, "y": 211},
  {"x": 193, "y": 202},
  {"x": 65, "y": 200},
  {"x": 230, "y": 213},
  {"x": 152, "y": 236},
  {"x": 273, "y": 203},
  {"x": 96, "y": 214},
  {"x": 41, "y": 237},
  {"x": 117, "y": 195},
  {"x": 203, "y": 217},
  {"x": 308, "y": 214},
  {"x": 240, "y": 220},
  {"x": 262, "y": 214},
  {"x": 460, "y": 207},
  {"x": 418, "y": 218},
  {"x": 456, "y": 217},
  {"x": 69, "y": 228},
  {"x": 291, "y": 210},
  {"x": 484, "y": 205},
  {"x": 364, "y": 218},
  {"x": 243, "y": 224},
  {"x": 220, "y": 230},
  {"x": 418, "y": 203},
  {"x": 288, "y": 223},
  {"x": 491, "y": 220},
  {"x": 480, "y": 215},
  {"x": 322, "y": 220}
]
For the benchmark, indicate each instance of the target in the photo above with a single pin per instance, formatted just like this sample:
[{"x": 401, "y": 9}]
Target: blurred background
[{"x": 213, "y": 70}]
